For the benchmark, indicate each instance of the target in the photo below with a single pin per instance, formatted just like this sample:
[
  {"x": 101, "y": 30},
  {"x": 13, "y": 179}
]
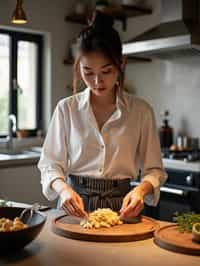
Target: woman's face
[{"x": 98, "y": 72}]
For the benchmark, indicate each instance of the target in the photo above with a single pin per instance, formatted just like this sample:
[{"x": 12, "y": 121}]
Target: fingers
[
  {"x": 133, "y": 209},
  {"x": 125, "y": 203},
  {"x": 81, "y": 207},
  {"x": 78, "y": 208},
  {"x": 72, "y": 207},
  {"x": 132, "y": 212},
  {"x": 66, "y": 206},
  {"x": 80, "y": 202},
  {"x": 72, "y": 203}
]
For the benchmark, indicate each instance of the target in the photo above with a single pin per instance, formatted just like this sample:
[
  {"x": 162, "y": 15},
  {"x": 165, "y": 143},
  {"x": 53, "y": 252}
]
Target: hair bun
[{"x": 101, "y": 21}]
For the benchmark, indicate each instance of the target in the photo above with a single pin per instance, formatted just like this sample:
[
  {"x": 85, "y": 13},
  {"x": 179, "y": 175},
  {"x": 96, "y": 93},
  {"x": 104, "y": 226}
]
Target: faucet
[{"x": 11, "y": 130}]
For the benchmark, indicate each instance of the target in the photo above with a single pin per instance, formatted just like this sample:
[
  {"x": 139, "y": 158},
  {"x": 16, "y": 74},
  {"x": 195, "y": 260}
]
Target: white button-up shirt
[{"x": 127, "y": 142}]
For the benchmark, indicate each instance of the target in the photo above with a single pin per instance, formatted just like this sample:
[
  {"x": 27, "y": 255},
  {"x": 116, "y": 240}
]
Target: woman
[{"x": 98, "y": 139}]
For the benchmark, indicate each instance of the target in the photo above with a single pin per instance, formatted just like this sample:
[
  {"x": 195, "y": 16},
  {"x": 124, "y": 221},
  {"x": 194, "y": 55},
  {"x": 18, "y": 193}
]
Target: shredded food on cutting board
[{"x": 101, "y": 218}]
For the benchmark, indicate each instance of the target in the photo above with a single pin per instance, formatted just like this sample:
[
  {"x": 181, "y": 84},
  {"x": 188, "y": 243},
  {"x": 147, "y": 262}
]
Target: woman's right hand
[{"x": 71, "y": 202}]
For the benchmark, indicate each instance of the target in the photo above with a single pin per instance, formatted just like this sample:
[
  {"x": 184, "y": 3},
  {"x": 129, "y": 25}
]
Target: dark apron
[{"x": 100, "y": 193}]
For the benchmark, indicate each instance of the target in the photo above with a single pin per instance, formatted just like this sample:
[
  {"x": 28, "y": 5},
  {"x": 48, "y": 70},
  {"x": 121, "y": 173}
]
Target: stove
[
  {"x": 187, "y": 156},
  {"x": 181, "y": 192},
  {"x": 182, "y": 160}
]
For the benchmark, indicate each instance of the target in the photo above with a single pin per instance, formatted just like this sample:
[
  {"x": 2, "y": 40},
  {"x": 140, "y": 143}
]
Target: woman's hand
[
  {"x": 71, "y": 202},
  {"x": 133, "y": 204}
]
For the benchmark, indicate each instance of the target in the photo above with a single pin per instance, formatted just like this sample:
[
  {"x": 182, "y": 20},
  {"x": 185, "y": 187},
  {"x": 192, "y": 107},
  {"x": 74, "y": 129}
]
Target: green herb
[{"x": 185, "y": 221}]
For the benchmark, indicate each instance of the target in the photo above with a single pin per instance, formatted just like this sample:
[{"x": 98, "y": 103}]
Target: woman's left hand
[{"x": 133, "y": 204}]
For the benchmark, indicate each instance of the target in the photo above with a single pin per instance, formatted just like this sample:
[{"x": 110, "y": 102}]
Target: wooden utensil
[
  {"x": 69, "y": 226},
  {"x": 169, "y": 237}
]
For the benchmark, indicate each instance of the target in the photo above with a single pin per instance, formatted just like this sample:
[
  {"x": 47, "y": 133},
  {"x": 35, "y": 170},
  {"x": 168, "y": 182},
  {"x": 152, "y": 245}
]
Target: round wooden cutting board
[
  {"x": 69, "y": 226},
  {"x": 170, "y": 238}
]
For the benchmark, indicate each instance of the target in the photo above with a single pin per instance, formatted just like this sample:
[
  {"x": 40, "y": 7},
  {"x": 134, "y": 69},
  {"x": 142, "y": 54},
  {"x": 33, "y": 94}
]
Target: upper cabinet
[{"x": 118, "y": 12}]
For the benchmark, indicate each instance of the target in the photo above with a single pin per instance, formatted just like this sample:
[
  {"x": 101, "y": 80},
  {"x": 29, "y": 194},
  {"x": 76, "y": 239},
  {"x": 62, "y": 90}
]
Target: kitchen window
[{"x": 20, "y": 80}]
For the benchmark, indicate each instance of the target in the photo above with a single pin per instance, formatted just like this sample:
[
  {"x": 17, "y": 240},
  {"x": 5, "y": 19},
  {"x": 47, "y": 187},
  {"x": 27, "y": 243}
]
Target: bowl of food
[{"x": 16, "y": 233}]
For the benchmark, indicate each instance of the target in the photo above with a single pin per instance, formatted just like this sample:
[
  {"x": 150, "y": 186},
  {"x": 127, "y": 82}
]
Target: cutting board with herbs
[
  {"x": 69, "y": 226},
  {"x": 169, "y": 237},
  {"x": 183, "y": 236}
]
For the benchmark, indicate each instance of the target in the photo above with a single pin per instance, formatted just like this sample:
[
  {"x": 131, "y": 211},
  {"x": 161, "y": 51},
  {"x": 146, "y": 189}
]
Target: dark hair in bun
[
  {"x": 101, "y": 21},
  {"x": 99, "y": 36}
]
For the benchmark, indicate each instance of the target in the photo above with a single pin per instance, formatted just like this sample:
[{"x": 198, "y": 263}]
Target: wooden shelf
[
  {"x": 68, "y": 61},
  {"x": 78, "y": 18},
  {"x": 129, "y": 59},
  {"x": 121, "y": 11},
  {"x": 118, "y": 12},
  {"x": 134, "y": 10},
  {"x": 136, "y": 59}
]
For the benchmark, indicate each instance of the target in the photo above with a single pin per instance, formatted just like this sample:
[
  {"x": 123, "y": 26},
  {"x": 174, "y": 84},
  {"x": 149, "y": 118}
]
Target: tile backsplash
[{"x": 172, "y": 84}]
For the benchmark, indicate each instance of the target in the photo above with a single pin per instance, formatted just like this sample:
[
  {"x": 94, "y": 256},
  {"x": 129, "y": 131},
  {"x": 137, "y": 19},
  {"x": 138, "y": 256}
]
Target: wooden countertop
[{"x": 50, "y": 249}]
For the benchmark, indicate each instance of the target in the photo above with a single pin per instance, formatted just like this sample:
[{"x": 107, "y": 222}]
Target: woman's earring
[
  {"x": 117, "y": 83},
  {"x": 122, "y": 68}
]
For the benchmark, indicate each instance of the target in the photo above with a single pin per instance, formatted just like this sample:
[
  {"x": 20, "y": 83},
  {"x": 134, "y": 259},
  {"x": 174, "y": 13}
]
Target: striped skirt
[{"x": 100, "y": 193}]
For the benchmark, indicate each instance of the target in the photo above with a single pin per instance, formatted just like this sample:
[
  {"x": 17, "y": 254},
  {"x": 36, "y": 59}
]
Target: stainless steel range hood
[{"x": 176, "y": 35}]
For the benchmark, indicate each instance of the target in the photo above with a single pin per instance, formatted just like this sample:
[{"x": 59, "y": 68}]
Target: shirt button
[
  {"x": 102, "y": 146},
  {"x": 100, "y": 170}
]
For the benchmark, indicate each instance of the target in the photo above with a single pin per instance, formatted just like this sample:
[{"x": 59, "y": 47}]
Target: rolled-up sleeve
[
  {"x": 54, "y": 158},
  {"x": 150, "y": 157}
]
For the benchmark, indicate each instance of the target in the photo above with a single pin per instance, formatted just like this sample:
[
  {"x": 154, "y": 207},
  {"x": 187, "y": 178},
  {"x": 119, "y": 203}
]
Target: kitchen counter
[
  {"x": 180, "y": 164},
  {"x": 32, "y": 157},
  {"x": 25, "y": 158},
  {"x": 50, "y": 249}
]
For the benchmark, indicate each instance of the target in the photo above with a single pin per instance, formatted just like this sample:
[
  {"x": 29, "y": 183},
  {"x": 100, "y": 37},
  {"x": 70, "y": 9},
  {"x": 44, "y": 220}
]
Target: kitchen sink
[
  {"x": 19, "y": 153},
  {"x": 16, "y": 152},
  {"x": 11, "y": 152}
]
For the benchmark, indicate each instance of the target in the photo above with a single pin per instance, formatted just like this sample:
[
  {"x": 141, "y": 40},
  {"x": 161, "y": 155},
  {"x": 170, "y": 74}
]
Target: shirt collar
[{"x": 84, "y": 100}]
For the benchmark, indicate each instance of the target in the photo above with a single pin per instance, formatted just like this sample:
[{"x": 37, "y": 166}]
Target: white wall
[
  {"x": 139, "y": 24},
  {"x": 172, "y": 84}
]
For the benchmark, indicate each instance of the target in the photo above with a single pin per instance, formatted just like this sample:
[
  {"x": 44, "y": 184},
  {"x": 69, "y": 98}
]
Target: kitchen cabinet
[
  {"x": 129, "y": 59},
  {"x": 118, "y": 12},
  {"x": 22, "y": 184}
]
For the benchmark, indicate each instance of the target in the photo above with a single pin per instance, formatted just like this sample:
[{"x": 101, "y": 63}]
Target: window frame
[{"x": 38, "y": 39}]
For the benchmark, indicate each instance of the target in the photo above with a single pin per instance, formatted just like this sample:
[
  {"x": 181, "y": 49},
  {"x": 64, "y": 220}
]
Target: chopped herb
[{"x": 185, "y": 221}]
